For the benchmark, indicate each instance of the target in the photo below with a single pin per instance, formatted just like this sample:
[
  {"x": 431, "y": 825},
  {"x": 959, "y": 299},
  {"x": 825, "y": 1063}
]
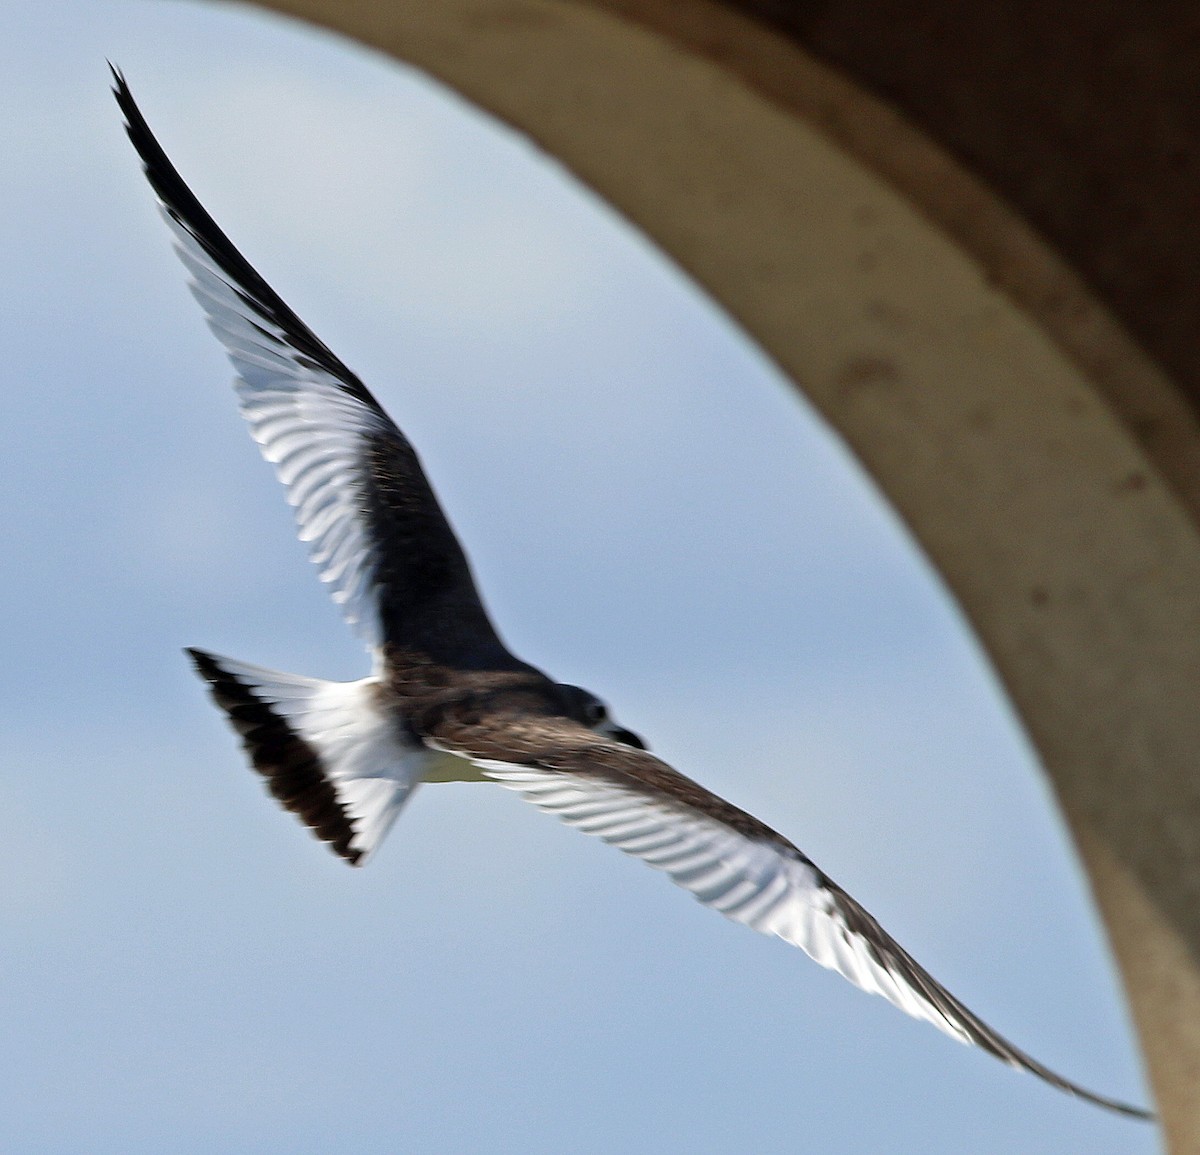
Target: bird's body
[{"x": 447, "y": 701}]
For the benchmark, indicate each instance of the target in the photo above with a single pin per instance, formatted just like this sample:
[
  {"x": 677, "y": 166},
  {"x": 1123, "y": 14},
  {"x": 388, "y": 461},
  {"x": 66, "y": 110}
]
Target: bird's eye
[{"x": 596, "y": 712}]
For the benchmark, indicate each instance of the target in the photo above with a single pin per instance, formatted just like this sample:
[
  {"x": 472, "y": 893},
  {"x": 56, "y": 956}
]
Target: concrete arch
[{"x": 1045, "y": 462}]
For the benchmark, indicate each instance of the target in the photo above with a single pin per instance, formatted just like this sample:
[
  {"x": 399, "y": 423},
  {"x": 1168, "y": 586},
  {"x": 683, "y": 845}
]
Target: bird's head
[{"x": 584, "y": 707}]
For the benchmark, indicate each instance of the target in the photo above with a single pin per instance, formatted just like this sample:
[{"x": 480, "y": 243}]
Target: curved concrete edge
[
  {"x": 1013, "y": 256},
  {"x": 1046, "y": 467}
]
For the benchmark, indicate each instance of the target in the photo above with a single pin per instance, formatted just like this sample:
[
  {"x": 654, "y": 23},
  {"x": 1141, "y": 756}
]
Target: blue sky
[{"x": 651, "y": 513}]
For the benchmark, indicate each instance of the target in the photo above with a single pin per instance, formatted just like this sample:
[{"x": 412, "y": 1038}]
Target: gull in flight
[{"x": 447, "y": 701}]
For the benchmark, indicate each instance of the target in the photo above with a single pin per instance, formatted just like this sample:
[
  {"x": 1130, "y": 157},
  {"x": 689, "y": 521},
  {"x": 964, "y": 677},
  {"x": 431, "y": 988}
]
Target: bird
[{"x": 446, "y": 700}]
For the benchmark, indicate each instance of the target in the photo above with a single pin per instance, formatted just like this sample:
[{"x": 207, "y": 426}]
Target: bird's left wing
[
  {"x": 361, "y": 499},
  {"x": 728, "y": 859}
]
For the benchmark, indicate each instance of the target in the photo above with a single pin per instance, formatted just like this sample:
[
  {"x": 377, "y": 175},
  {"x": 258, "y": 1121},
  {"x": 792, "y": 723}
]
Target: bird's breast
[{"x": 442, "y": 766}]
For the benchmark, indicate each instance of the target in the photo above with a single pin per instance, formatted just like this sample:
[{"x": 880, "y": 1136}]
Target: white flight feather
[
  {"x": 309, "y": 428},
  {"x": 759, "y": 884}
]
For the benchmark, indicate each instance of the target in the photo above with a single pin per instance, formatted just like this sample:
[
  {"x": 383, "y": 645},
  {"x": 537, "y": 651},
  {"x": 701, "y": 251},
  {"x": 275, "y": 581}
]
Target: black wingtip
[
  {"x": 967, "y": 1026},
  {"x": 125, "y": 101},
  {"x": 205, "y": 663},
  {"x": 181, "y": 205}
]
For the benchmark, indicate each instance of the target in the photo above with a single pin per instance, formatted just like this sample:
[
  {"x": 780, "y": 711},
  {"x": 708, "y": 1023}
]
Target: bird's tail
[{"x": 329, "y": 751}]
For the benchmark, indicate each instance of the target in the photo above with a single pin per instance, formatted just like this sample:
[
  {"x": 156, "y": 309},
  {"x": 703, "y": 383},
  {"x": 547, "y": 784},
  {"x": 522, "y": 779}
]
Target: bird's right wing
[
  {"x": 728, "y": 859},
  {"x": 361, "y": 499}
]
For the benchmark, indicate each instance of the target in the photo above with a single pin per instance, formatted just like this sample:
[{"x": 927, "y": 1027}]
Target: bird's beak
[{"x": 628, "y": 737}]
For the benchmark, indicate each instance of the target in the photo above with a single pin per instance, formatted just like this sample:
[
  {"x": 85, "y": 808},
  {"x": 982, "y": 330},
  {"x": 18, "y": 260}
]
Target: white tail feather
[{"x": 361, "y": 751}]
